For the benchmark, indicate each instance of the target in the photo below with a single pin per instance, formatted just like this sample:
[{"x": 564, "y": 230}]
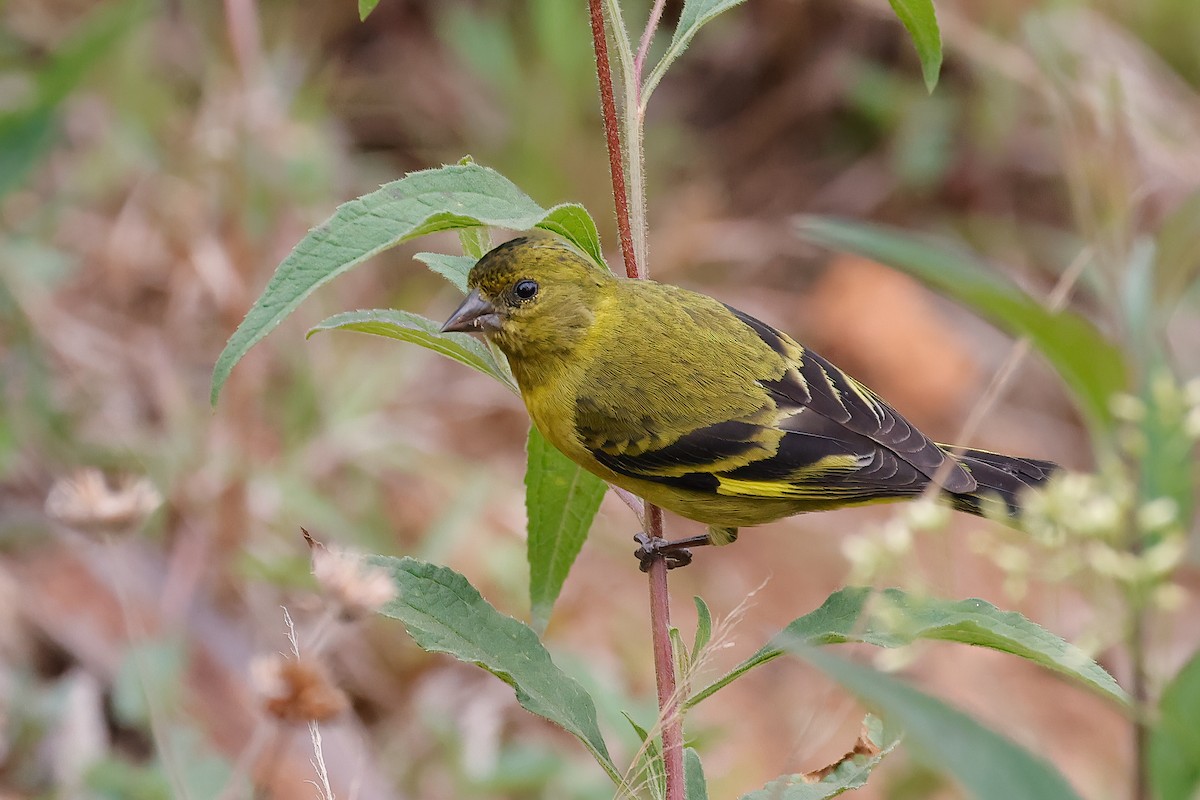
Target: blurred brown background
[{"x": 177, "y": 151}]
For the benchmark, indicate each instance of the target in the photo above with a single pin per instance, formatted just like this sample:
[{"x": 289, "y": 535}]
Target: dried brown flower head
[{"x": 296, "y": 690}]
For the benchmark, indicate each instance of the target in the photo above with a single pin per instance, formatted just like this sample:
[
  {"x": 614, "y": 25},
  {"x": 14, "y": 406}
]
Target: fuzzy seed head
[
  {"x": 357, "y": 587},
  {"x": 88, "y": 501}
]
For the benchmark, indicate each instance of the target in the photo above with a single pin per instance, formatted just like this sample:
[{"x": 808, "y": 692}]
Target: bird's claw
[{"x": 652, "y": 549}]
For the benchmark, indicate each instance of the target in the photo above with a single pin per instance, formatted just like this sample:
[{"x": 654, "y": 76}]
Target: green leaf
[
  {"x": 695, "y": 15},
  {"x": 445, "y": 614},
  {"x": 475, "y": 241},
  {"x": 447, "y": 198},
  {"x": 24, "y": 138},
  {"x": 100, "y": 35},
  {"x": 561, "y": 500},
  {"x": 703, "y": 627},
  {"x": 409, "y": 327},
  {"x": 919, "y": 18},
  {"x": 27, "y": 133},
  {"x": 574, "y": 223},
  {"x": 1091, "y": 366},
  {"x": 1174, "y": 750},
  {"x": 990, "y": 766},
  {"x": 648, "y": 758},
  {"x": 851, "y": 773},
  {"x": 642, "y": 734},
  {"x": 680, "y": 652},
  {"x": 893, "y": 618},
  {"x": 453, "y": 268},
  {"x": 694, "y": 785},
  {"x": 365, "y": 7}
]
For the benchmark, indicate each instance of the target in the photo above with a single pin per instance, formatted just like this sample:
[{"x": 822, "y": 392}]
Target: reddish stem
[
  {"x": 612, "y": 136},
  {"x": 664, "y": 665},
  {"x": 660, "y": 602}
]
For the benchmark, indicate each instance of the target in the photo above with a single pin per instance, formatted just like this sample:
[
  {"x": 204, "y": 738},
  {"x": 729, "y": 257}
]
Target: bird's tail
[{"x": 1000, "y": 477}]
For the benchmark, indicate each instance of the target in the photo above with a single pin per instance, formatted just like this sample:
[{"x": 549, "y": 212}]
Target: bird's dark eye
[{"x": 525, "y": 290}]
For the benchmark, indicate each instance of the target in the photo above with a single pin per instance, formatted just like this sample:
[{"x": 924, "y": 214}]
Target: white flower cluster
[
  {"x": 1111, "y": 525},
  {"x": 1087, "y": 528},
  {"x": 882, "y": 550}
]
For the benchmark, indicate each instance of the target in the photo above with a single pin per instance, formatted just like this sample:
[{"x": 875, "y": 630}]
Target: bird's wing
[
  {"x": 818, "y": 435},
  {"x": 745, "y": 459},
  {"x": 812, "y": 384}
]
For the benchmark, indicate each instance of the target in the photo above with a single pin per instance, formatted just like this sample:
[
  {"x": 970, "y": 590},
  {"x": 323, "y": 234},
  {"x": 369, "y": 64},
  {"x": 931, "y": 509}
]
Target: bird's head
[{"x": 535, "y": 296}]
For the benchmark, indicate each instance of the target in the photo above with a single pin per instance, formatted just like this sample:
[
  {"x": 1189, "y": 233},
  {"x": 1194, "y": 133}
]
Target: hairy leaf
[
  {"x": 450, "y": 197},
  {"x": 573, "y": 222},
  {"x": 453, "y": 268},
  {"x": 695, "y": 15},
  {"x": 892, "y": 618},
  {"x": 694, "y": 785},
  {"x": 409, "y": 327},
  {"x": 444, "y": 613}
]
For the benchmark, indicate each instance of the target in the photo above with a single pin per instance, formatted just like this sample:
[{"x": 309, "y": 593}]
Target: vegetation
[{"x": 149, "y": 542}]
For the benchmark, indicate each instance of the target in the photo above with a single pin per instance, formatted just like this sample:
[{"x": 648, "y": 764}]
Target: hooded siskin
[{"x": 700, "y": 408}]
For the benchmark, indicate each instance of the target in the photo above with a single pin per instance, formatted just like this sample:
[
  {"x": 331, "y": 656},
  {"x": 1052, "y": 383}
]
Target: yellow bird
[{"x": 701, "y": 409}]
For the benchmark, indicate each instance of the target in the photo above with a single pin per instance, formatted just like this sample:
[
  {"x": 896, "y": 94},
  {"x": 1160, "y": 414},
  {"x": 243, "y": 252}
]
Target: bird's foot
[{"x": 651, "y": 549}]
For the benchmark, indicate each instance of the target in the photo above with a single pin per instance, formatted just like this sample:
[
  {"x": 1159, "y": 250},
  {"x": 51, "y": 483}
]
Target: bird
[{"x": 701, "y": 409}]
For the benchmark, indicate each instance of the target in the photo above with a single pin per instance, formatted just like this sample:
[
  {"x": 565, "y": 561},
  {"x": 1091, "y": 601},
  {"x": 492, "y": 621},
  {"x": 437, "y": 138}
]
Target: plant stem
[
  {"x": 632, "y": 227},
  {"x": 612, "y": 137},
  {"x": 644, "y": 46},
  {"x": 633, "y": 117},
  {"x": 664, "y": 665},
  {"x": 137, "y": 638},
  {"x": 1141, "y": 698}
]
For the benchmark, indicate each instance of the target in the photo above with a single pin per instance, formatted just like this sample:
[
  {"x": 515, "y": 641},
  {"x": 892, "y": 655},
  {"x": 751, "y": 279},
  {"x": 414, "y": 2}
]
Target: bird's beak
[{"x": 475, "y": 315}]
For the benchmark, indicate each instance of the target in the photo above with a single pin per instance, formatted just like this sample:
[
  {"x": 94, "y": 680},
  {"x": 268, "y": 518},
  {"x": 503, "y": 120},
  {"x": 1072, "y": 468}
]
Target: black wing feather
[{"x": 819, "y": 386}]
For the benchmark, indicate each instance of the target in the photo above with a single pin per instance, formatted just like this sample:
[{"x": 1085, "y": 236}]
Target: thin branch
[
  {"x": 644, "y": 47},
  {"x": 632, "y": 500},
  {"x": 612, "y": 136},
  {"x": 1141, "y": 698}
]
